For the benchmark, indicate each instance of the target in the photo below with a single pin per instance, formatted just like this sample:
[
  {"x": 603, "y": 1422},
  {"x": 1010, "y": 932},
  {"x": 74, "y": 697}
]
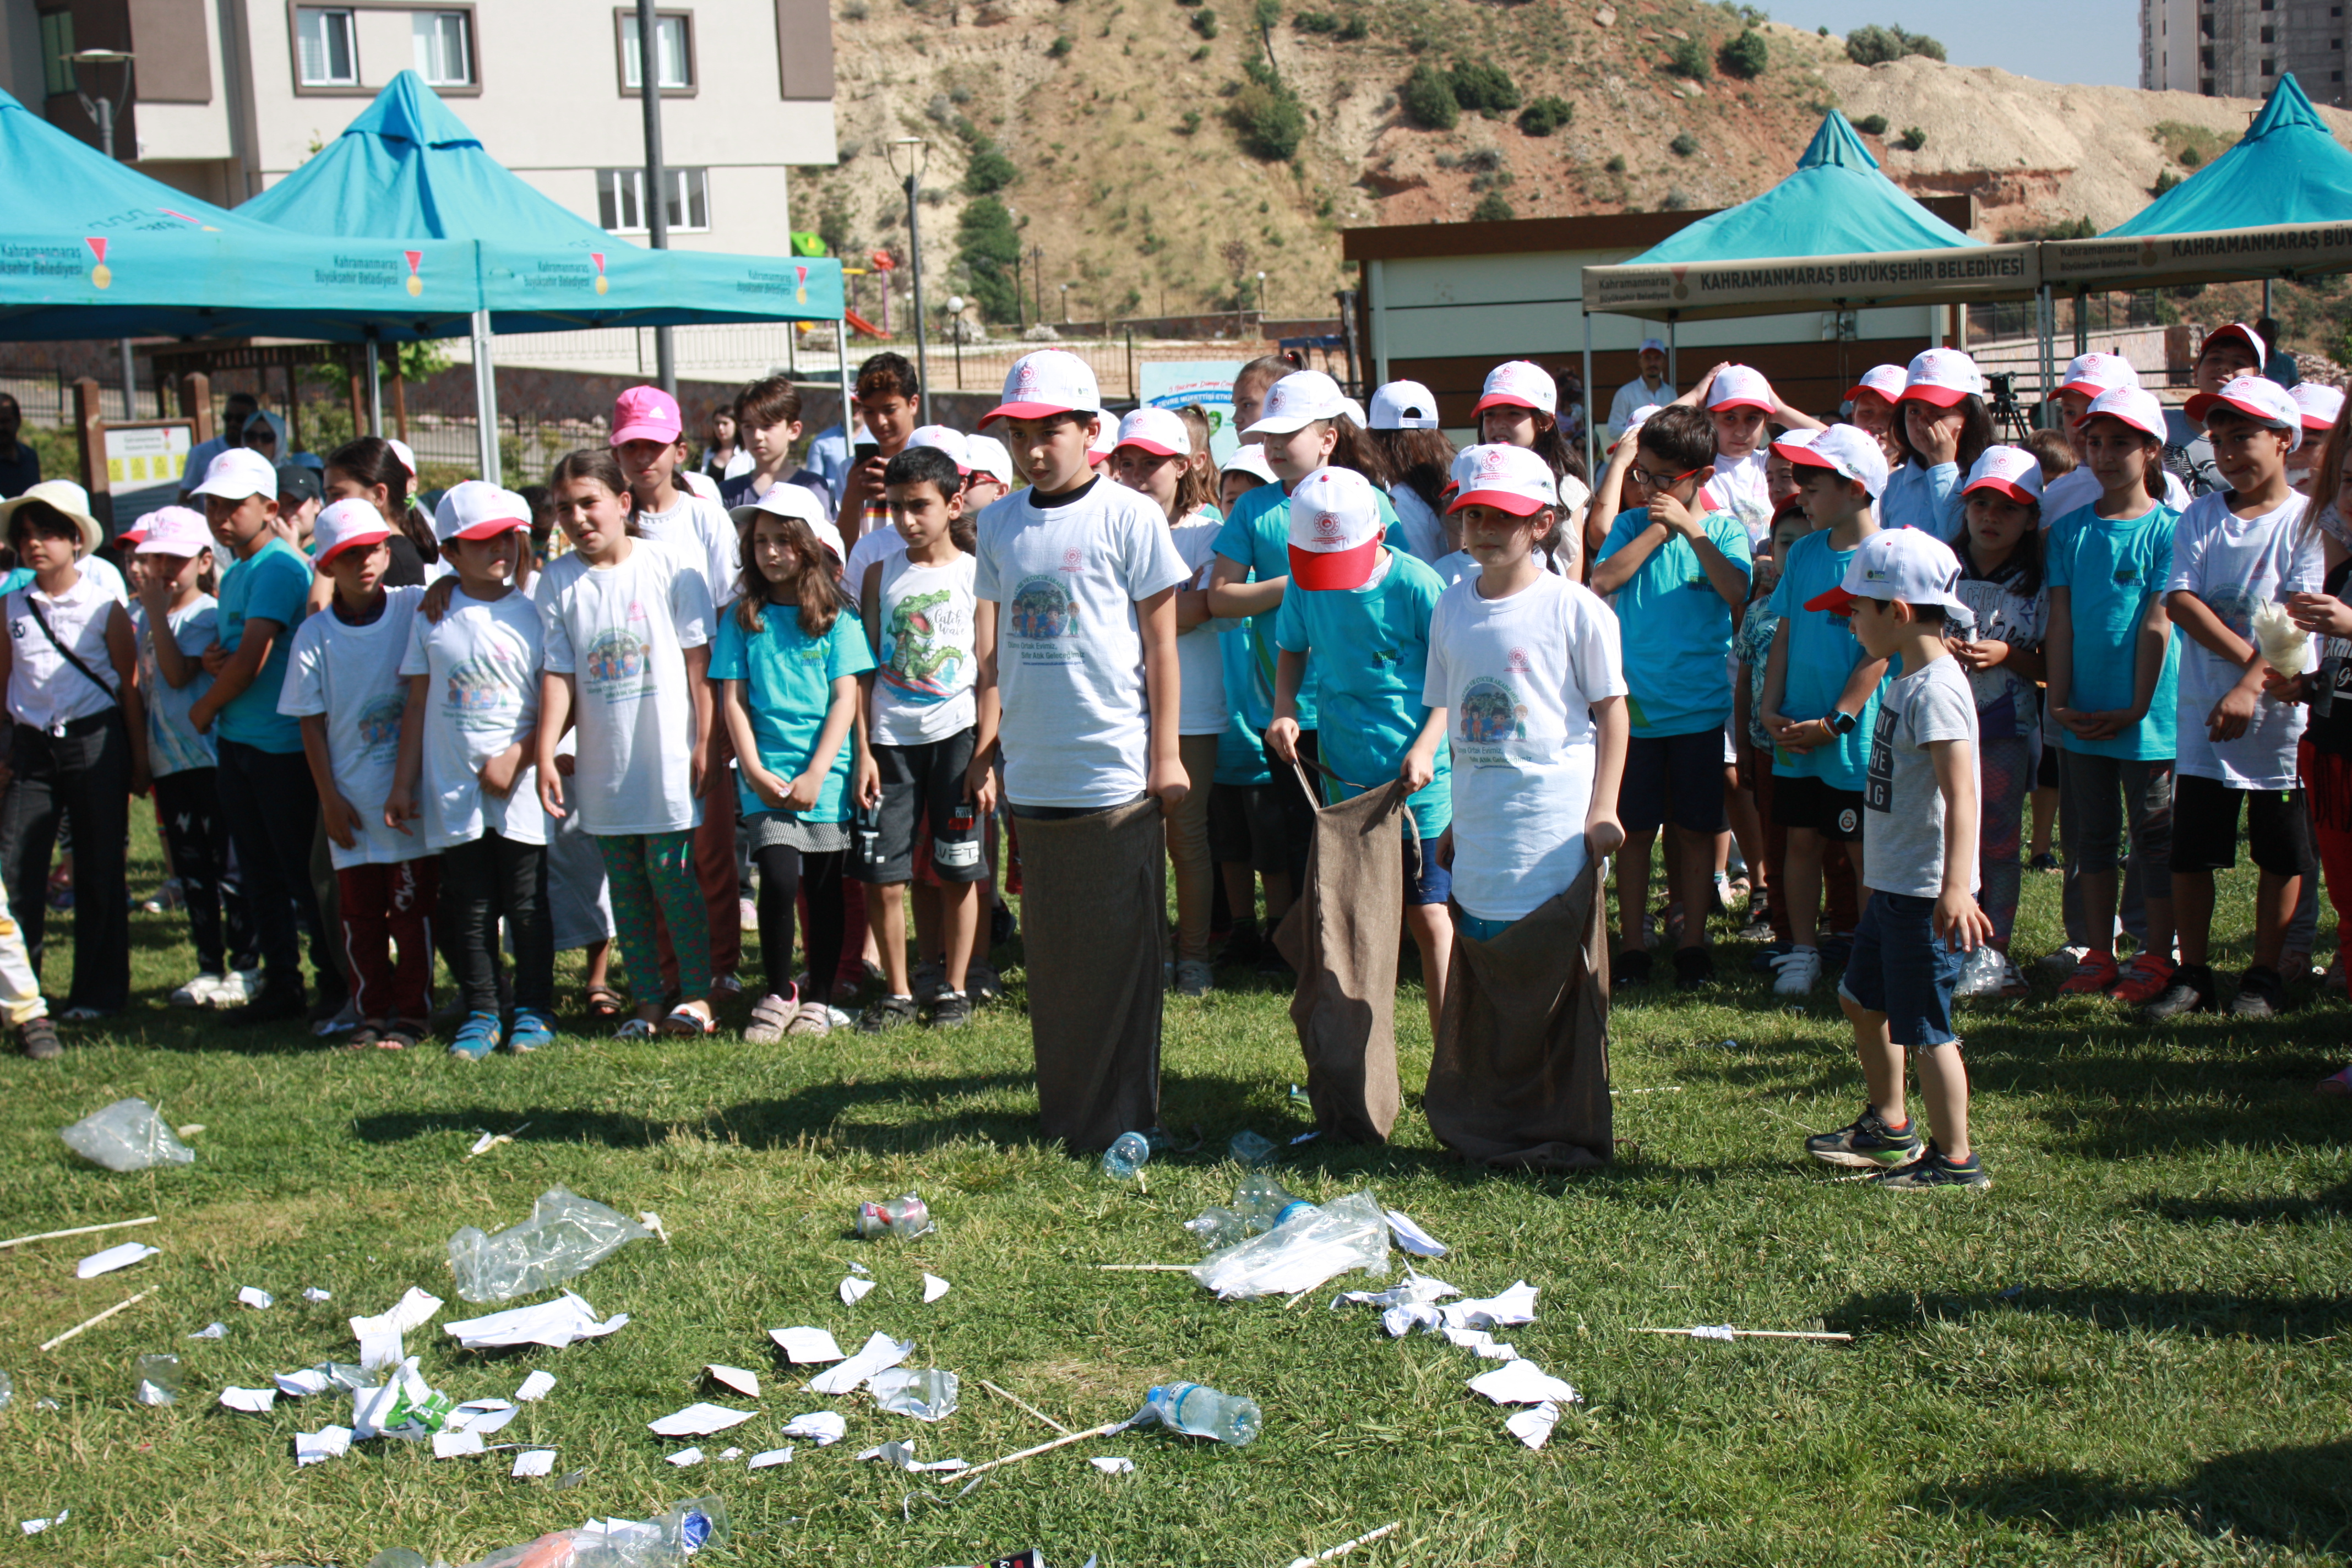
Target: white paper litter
[
  {"x": 34, "y": 1526},
  {"x": 822, "y": 1426},
  {"x": 312, "y": 1294},
  {"x": 1533, "y": 1427},
  {"x": 933, "y": 1288},
  {"x": 902, "y": 1454},
  {"x": 699, "y": 1420},
  {"x": 807, "y": 1347},
  {"x": 303, "y": 1383},
  {"x": 728, "y": 1453},
  {"x": 1516, "y": 1305},
  {"x": 412, "y": 1310},
  {"x": 1111, "y": 1467},
  {"x": 258, "y": 1299},
  {"x": 112, "y": 1258},
  {"x": 1483, "y": 1343},
  {"x": 380, "y": 1350},
  {"x": 327, "y": 1443},
  {"x": 773, "y": 1457},
  {"x": 533, "y": 1463},
  {"x": 447, "y": 1444},
  {"x": 857, "y": 1267},
  {"x": 249, "y": 1401},
  {"x": 879, "y": 1351},
  {"x": 1723, "y": 1331},
  {"x": 483, "y": 1416},
  {"x": 685, "y": 1456},
  {"x": 563, "y": 1321},
  {"x": 1417, "y": 1290},
  {"x": 210, "y": 1331},
  {"x": 534, "y": 1387},
  {"x": 1411, "y": 1237},
  {"x": 1522, "y": 1383},
  {"x": 652, "y": 1221},
  {"x": 854, "y": 1290},
  {"x": 746, "y": 1383}
]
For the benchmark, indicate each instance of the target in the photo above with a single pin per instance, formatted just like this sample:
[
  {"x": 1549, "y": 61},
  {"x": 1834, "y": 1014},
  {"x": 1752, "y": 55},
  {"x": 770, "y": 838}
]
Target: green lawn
[{"x": 2131, "y": 1351}]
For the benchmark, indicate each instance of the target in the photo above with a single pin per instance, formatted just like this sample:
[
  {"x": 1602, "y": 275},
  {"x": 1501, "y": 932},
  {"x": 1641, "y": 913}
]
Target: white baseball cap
[
  {"x": 1048, "y": 382},
  {"x": 1652, "y": 346},
  {"x": 1335, "y": 529},
  {"x": 1906, "y": 564},
  {"x": 1249, "y": 459},
  {"x": 1402, "y": 406},
  {"x": 1508, "y": 478},
  {"x": 347, "y": 525},
  {"x": 1297, "y": 401},
  {"x": 1847, "y": 451},
  {"x": 2135, "y": 405},
  {"x": 238, "y": 473},
  {"x": 1886, "y": 380},
  {"x": 1159, "y": 431},
  {"x": 2092, "y": 375},
  {"x": 1941, "y": 377},
  {"x": 942, "y": 438},
  {"x": 400, "y": 449},
  {"x": 173, "y": 531},
  {"x": 1515, "y": 384},
  {"x": 2320, "y": 402},
  {"x": 800, "y": 502},
  {"x": 1740, "y": 386},
  {"x": 2013, "y": 471},
  {"x": 476, "y": 508},
  {"x": 989, "y": 457},
  {"x": 2257, "y": 397}
]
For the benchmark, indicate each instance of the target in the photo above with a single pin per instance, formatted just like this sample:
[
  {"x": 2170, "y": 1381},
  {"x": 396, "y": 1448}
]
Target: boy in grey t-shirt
[{"x": 1919, "y": 859}]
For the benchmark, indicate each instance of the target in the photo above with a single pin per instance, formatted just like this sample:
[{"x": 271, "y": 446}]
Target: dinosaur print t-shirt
[{"x": 924, "y": 666}]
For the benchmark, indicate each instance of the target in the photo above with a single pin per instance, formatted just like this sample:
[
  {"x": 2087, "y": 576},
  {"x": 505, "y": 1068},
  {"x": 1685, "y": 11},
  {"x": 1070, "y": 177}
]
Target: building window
[
  {"x": 56, "y": 52},
  {"x": 325, "y": 47},
  {"x": 2270, "y": 67},
  {"x": 445, "y": 55},
  {"x": 620, "y": 200},
  {"x": 674, "y": 59},
  {"x": 2268, "y": 36}
]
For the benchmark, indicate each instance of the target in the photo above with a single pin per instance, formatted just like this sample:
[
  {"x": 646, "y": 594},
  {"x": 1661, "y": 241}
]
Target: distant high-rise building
[{"x": 2238, "y": 49}]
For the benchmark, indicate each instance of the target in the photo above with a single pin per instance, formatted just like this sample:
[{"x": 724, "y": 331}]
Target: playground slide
[{"x": 858, "y": 324}]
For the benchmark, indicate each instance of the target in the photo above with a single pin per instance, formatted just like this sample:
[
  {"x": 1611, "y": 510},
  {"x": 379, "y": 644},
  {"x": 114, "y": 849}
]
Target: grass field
[{"x": 2133, "y": 1349}]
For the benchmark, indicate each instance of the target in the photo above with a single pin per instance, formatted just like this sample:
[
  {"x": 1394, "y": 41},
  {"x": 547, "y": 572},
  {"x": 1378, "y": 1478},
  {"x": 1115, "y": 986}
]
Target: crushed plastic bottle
[
  {"x": 1125, "y": 1156},
  {"x": 1314, "y": 1245},
  {"x": 904, "y": 1217},
  {"x": 1248, "y": 1148},
  {"x": 1216, "y": 1228},
  {"x": 926, "y": 1396},
  {"x": 664, "y": 1541},
  {"x": 1202, "y": 1412},
  {"x": 159, "y": 1379},
  {"x": 127, "y": 1136},
  {"x": 565, "y": 1236},
  {"x": 1263, "y": 1202}
]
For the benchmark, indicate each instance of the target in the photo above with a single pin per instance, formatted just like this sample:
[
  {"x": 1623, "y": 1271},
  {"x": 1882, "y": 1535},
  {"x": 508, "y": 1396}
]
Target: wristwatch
[{"x": 1841, "y": 722}]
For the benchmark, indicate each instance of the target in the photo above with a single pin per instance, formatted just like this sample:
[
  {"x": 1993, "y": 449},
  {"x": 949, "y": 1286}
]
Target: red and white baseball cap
[
  {"x": 989, "y": 457},
  {"x": 1652, "y": 346},
  {"x": 2092, "y": 375},
  {"x": 1159, "y": 431},
  {"x": 1906, "y": 564},
  {"x": 1105, "y": 440},
  {"x": 2134, "y": 405},
  {"x": 942, "y": 438},
  {"x": 2013, "y": 471},
  {"x": 1941, "y": 377},
  {"x": 1886, "y": 380},
  {"x": 1047, "y": 383},
  {"x": 476, "y": 508},
  {"x": 1508, "y": 478},
  {"x": 1297, "y": 401},
  {"x": 2260, "y": 399},
  {"x": 1740, "y": 386},
  {"x": 1518, "y": 385},
  {"x": 1847, "y": 451},
  {"x": 238, "y": 473},
  {"x": 2241, "y": 333},
  {"x": 645, "y": 413},
  {"x": 2320, "y": 402},
  {"x": 1402, "y": 406},
  {"x": 173, "y": 531},
  {"x": 348, "y": 525},
  {"x": 406, "y": 455},
  {"x": 1335, "y": 529}
]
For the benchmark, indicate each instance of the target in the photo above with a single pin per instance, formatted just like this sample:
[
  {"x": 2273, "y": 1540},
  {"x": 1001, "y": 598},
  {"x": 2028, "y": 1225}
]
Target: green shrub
[
  {"x": 1428, "y": 99},
  {"x": 1316, "y": 22},
  {"x": 1493, "y": 208},
  {"x": 1354, "y": 28},
  {"x": 1546, "y": 115},
  {"x": 1205, "y": 24},
  {"x": 1201, "y": 54},
  {"x": 2165, "y": 180},
  {"x": 1268, "y": 118},
  {"x": 1192, "y": 122},
  {"x": 1875, "y": 46},
  {"x": 1269, "y": 14},
  {"x": 989, "y": 248},
  {"x": 1690, "y": 59},
  {"x": 1872, "y": 125},
  {"x": 1615, "y": 166},
  {"x": 1912, "y": 138},
  {"x": 1745, "y": 57},
  {"x": 1684, "y": 144},
  {"x": 1484, "y": 85},
  {"x": 1061, "y": 47},
  {"x": 989, "y": 171}
]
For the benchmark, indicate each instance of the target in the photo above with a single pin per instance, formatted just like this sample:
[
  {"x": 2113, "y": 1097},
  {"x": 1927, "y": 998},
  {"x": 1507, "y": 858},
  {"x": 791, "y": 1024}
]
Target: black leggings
[{"x": 784, "y": 873}]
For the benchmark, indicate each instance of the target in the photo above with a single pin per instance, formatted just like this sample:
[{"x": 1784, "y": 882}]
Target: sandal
[
  {"x": 811, "y": 1018},
  {"x": 403, "y": 1033},
  {"x": 770, "y": 1016},
  {"x": 684, "y": 1020},
  {"x": 603, "y": 1002},
  {"x": 369, "y": 1032},
  {"x": 636, "y": 1029}
]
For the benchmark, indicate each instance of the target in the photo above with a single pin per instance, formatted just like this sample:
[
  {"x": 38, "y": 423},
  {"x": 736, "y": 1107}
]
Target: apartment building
[
  {"x": 2238, "y": 49},
  {"x": 229, "y": 95}
]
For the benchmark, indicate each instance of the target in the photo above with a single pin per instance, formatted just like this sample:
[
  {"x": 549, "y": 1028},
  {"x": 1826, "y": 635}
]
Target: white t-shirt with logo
[
  {"x": 1069, "y": 647},
  {"x": 2237, "y": 565},
  {"x": 482, "y": 661},
  {"x": 924, "y": 673},
  {"x": 698, "y": 530},
  {"x": 1199, "y": 656},
  {"x": 879, "y": 544},
  {"x": 351, "y": 675},
  {"x": 622, "y": 634},
  {"x": 1741, "y": 488},
  {"x": 1517, "y": 678}
]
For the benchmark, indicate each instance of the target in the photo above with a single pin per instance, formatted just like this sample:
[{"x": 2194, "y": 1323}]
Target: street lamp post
[
  {"x": 914, "y": 146},
  {"x": 105, "y": 112},
  {"x": 656, "y": 176}
]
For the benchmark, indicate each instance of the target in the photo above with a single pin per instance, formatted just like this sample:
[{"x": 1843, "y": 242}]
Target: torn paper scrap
[
  {"x": 250, "y": 1401},
  {"x": 533, "y": 1463},
  {"x": 258, "y": 1299},
  {"x": 807, "y": 1347},
  {"x": 1516, "y": 1305},
  {"x": 112, "y": 1258},
  {"x": 746, "y": 1383},
  {"x": 412, "y": 1310},
  {"x": 1417, "y": 1290},
  {"x": 879, "y": 1351},
  {"x": 933, "y": 1288},
  {"x": 327, "y": 1443},
  {"x": 556, "y": 1324},
  {"x": 773, "y": 1457},
  {"x": 210, "y": 1331},
  {"x": 483, "y": 1416},
  {"x": 1522, "y": 1383},
  {"x": 456, "y": 1445},
  {"x": 857, "y": 1267},
  {"x": 699, "y": 1420},
  {"x": 685, "y": 1456},
  {"x": 1402, "y": 1320},
  {"x": 854, "y": 1290},
  {"x": 1111, "y": 1467},
  {"x": 534, "y": 1387},
  {"x": 902, "y": 1454},
  {"x": 1483, "y": 1343},
  {"x": 1411, "y": 1237},
  {"x": 1533, "y": 1426},
  {"x": 822, "y": 1426},
  {"x": 301, "y": 1384},
  {"x": 730, "y": 1454},
  {"x": 312, "y": 1294},
  {"x": 379, "y": 1351},
  {"x": 926, "y": 1396},
  {"x": 34, "y": 1526},
  {"x": 1723, "y": 1331}
]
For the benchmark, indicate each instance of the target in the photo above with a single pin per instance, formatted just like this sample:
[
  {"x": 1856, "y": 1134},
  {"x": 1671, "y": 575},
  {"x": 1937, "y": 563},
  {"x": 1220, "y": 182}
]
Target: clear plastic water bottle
[
  {"x": 901, "y": 1217},
  {"x": 1264, "y": 1204},
  {"x": 1217, "y": 1229},
  {"x": 1125, "y": 1156},
  {"x": 1202, "y": 1412}
]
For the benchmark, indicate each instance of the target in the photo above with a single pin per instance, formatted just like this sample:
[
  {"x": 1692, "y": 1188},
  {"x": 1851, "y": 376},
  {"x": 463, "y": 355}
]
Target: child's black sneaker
[
  {"x": 952, "y": 1011},
  {"x": 2261, "y": 993},
  {"x": 886, "y": 1014},
  {"x": 1243, "y": 947},
  {"x": 1866, "y": 1143},
  {"x": 1694, "y": 969},
  {"x": 270, "y": 1005},
  {"x": 1937, "y": 1170},
  {"x": 1631, "y": 967},
  {"x": 2191, "y": 991}
]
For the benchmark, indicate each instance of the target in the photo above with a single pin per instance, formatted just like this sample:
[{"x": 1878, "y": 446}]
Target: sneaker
[
  {"x": 1759, "y": 923},
  {"x": 886, "y": 1014},
  {"x": 165, "y": 899},
  {"x": 532, "y": 1030},
  {"x": 197, "y": 993},
  {"x": 2336, "y": 1083},
  {"x": 1980, "y": 973},
  {"x": 342, "y": 1021},
  {"x": 725, "y": 988},
  {"x": 1767, "y": 959},
  {"x": 2012, "y": 982},
  {"x": 38, "y": 1037},
  {"x": 478, "y": 1036},
  {"x": 772, "y": 1016},
  {"x": 1001, "y": 926},
  {"x": 1934, "y": 1171},
  {"x": 235, "y": 988},
  {"x": 2147, "y": 978},
  {"x": 1631, "y": 967},
  {"x": 1694, "y": 969},
  {"x": 1868, "y": 1143},
  {"x": 1242, "y": 949},
  {"x": 952, "y": 1011},
  {"x": 747, "y": 914},
  {"x": 981, "y": 980},
  {"x": 1195, "y": 977},
  {"x": 2064, "y": 958},
  {"x": 929, "y": 982},
  {"x": 269, "y": 1005},
  {"x": 1800, "y": 970},
  {"x": 2045, "y": 861},
  {"x": 2190, "y": 990},
  {"x": 2094, "y": 975},
  {"x": 2261, "y": 993}
]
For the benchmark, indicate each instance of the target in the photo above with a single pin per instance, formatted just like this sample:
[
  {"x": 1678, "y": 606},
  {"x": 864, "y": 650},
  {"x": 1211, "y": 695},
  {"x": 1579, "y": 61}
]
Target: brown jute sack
[
  {"x": 1521, "y": 1072},
  {"x": 1341, "y": 936},
  {"x": 1095, "y": 928}
]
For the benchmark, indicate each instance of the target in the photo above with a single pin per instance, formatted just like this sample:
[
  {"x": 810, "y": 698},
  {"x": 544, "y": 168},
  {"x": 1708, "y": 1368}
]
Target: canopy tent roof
[
  {"x": 1837, "y": 233},
  {"x": 408, "y": 165},
  {"x": 2277, "y": 204},
  {"x": 90, "y": 248}
]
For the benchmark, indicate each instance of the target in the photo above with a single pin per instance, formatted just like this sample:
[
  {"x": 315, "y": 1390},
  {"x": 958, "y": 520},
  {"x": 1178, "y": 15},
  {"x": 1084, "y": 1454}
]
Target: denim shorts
[
  {"x": 1435, "y": 883},
  {"x": 1902, "y": 969}
]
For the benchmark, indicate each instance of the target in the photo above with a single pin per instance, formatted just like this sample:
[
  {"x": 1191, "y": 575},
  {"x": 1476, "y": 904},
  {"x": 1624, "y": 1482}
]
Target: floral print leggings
[{"x": 652, "y": 878}]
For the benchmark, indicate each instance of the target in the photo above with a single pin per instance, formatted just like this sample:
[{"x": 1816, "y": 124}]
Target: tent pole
[
  {"x": 2266, "y": 309},
  {"x": 1674, "y": 370},
  {"x": 2081, "y": 320},
  {"x": 374, "y": 385},
  {"x": 2048, "y": 333},
  {"x": 841, "y": 368},
  {"x": 486, "y": 399},
  {"x": 1592, "y": 462}
]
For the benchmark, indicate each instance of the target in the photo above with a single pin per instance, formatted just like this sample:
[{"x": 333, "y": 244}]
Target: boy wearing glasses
[{"x": 1676, "y": 575}]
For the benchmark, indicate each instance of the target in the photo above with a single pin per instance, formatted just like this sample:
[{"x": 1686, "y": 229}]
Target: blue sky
[{"x": 2094, "y": 41}]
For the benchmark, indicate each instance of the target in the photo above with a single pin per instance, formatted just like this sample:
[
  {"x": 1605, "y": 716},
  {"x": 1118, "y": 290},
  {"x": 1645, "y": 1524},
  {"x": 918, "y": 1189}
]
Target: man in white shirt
[{"x": 1648, "y": 390}]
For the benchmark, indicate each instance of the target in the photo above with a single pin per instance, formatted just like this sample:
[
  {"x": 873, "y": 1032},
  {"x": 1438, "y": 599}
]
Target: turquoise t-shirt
[
  {"x": 15, "y": 580},
  {"x": 1372, "y": 645},
  {"x": 1676, "y": 674},
  {"x": 789, "y": 677},
  {"x": 270, "y": 585},
  {"x": 1257, "y": 535},
  {"x": 1822, "y": 652},
  {"x": 1241, "y": 756},
  {"x": 2110, "y": 569}
]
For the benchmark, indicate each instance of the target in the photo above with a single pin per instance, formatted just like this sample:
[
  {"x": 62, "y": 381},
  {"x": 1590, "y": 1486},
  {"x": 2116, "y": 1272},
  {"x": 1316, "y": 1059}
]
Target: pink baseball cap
[
  {"x": 2260, "y": 399},
  {"x": 1941, "y": 377},
  {"x": 1886, "y": 380},
  {"x": 1518, "y": 385},
  {"x": 173, "y": 531},
  {"x": 1335, "y": 529},
  {"x": 476, "y": 508},
  {"x": 645, "y": 413},
  {"x": 2013, "y": 471},
  {"x": 1159, "y": 431},
  {"x": 1508, "y": 478},
  {"x": 2092, "y": 375},
  {"x": 2134, "y": 405},
  {"x": 1847, "y": 451},
  {"x": 2320, "y": 402},
  {"x": 943, "y": 438},
  {"x": 346, "y": 525},
  {"x": 1740, "y": 386},
  {"x": 1049, "y": 382}
]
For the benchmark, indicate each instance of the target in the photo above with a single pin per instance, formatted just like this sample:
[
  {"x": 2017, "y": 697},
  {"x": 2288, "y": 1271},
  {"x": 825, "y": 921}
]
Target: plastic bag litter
[
  {"x": 2286, "y": 647},
  {"x": 1318, "y": 1245},
  {"x": 159, "y": 1379},
  {"x": 926, "y": 1396},
  {"x": 127, "y": 1136},
  {"x": 658, "y": 1542},
  {"x": 566, "y": 1234},
  {"x": 1248, "y": 1148}
]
